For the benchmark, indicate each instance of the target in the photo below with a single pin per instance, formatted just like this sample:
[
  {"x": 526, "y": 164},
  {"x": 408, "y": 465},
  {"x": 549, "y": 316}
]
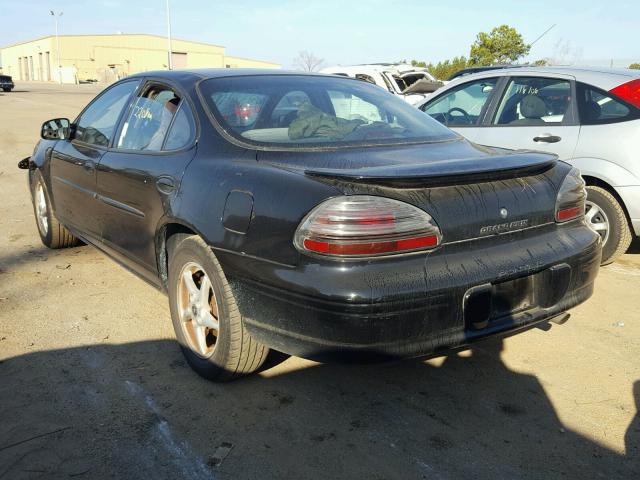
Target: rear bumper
[
  {"x": 9, "y": 85},
  {"x": 418, "y": 304}
]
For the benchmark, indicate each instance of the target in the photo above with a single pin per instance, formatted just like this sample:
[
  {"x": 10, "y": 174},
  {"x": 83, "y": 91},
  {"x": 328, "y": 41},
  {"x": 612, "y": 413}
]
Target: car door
[
  {"x": 73, "y": 162},
  {"x": 137, "y": 179},
  {"x": 462, "y": 108},
  {"x": 535, "y": 112}
]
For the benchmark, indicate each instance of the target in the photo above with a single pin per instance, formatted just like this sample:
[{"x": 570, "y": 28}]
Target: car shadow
[
  {"x": 634, "y": 248},
  {"x": 136, "y": 410},
  {"x": 38, "y": 254}
]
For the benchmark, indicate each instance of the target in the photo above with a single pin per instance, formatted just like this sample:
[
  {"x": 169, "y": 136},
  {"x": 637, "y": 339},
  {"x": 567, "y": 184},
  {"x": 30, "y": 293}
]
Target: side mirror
[
  {"x": 56, "y": 129},
  {"x": 26, "y": 164}
]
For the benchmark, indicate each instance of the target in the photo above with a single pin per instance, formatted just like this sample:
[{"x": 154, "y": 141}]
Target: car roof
[
  {"x": 601, "y": 77},
  {"x": 202, "y": 73},
  {"x": 469, "y": 70}
]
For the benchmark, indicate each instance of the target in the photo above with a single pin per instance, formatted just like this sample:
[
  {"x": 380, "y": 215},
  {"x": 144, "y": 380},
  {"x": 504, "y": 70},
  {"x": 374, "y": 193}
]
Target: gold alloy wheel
[{"x": 198, "y": 310}]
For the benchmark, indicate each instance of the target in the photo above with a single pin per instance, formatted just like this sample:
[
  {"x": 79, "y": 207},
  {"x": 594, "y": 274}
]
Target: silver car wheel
[
  {"x": 198, "y": 310},
  {"x": 597, "y": 220},
  {"x": 41, "y": 210}
]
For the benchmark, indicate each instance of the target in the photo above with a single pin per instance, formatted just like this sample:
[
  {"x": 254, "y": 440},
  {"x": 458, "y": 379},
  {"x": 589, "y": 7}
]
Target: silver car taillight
[
  {"x": 365, "y": 226},
  {"x": 570, "y": 202}
]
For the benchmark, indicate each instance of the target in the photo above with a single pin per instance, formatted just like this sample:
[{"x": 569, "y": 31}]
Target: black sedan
[{"x": 316, "y": 215}]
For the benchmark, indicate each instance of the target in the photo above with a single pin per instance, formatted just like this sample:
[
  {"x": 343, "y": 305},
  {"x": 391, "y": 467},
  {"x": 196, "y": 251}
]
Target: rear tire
[
  {"x": 604, "y": 209},
  {"x": 219, "y": 354},
  {"x": 52, "y": 233}
]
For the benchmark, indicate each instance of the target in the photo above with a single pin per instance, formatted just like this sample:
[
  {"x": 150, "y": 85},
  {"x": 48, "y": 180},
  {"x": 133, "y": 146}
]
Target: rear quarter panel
[
  {"x": 281, "y": 198},
  {"x": 610, "y": 152}
]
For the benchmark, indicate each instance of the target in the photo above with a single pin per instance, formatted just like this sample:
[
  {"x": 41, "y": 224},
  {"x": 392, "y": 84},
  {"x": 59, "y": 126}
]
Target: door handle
[
  {"x": 166, "y": 185},
  {"x": 547, "y": 138},
  {"x": 89, "y": 167}
]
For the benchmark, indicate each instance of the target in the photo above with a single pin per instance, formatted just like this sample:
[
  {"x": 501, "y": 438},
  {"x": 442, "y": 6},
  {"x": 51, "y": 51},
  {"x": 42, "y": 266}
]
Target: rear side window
[
  {"x": 182, "y": 130},
  {"x": 158, "y": 114},
  {"x": 597, "y": 107},
  {"x": 534, "y": 101}
]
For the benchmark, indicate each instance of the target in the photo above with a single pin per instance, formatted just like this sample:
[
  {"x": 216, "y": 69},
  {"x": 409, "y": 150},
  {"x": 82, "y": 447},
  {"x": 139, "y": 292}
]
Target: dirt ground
[{"x": 93, "y": 385}]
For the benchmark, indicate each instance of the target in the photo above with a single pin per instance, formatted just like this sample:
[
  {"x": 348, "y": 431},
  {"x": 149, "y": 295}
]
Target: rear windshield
[{"x": 314, "y": 111}]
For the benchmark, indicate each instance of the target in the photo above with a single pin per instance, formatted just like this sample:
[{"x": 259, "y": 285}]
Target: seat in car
[
  {"x": 532, "y": 108},
  {"x": 592, "y": 111}
]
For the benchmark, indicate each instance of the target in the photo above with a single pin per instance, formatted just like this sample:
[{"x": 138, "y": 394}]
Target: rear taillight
[
  {"x": 570, "y": 201},
  {"x": 365, "y": 226},
  {"x": 629, "y": 92}
]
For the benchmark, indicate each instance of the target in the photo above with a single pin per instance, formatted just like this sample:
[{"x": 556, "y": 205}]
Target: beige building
[{"x": 107, "y": 58}]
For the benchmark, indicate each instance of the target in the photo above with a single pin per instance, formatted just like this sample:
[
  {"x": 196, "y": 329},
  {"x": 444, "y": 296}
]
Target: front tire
[
  {"x": 605, "y": 216},
  {"x": 52, "y": 233},
  {"x": 205, "y": 317}
]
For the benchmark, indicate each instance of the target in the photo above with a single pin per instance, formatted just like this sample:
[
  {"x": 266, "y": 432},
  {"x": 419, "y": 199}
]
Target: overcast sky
[{"x": 346, "y": 31}]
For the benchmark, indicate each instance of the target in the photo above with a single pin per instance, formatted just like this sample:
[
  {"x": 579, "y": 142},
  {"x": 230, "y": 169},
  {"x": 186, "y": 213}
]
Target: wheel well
[
  {"x": 162, "y": 237},
  {"x": 596, "y": 182}
]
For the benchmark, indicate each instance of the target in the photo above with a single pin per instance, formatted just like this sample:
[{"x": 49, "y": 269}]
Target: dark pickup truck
[{"x": 6, "y": 83}]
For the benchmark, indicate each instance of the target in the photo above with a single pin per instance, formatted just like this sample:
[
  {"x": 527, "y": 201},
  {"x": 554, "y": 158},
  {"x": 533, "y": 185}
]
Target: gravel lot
[{"x": 92, "y": 384}]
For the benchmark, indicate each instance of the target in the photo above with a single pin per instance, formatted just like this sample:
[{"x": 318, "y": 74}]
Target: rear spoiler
[{"x": 444, "y": 172}]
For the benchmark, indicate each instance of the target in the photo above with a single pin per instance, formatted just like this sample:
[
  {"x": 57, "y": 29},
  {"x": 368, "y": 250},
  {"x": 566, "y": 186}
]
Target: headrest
[
  {"x": 592, "y": 110},
  {"x": 532, "y": 107}
]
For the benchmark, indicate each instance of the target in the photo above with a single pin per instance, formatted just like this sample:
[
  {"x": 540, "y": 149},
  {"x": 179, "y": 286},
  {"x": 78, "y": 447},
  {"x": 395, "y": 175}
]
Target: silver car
[{"x": 589, "y": 117}]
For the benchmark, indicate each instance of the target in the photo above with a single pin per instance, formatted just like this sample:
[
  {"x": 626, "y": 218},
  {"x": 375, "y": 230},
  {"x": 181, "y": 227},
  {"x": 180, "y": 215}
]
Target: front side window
[
  {"x": 149, "y": 119},
  {"x": 98, "y": 122},
  {"x": 597, "y": 106},
  {"x": 462, "y": 105},
  {"x": 322, "y": 111},
  {"x": 534, "y": 101}
]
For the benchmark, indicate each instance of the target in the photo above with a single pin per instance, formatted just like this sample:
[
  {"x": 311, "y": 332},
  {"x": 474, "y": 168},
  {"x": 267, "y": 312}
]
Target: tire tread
[
  {"x": 59, "y": 236},
  {"x": 624, "y": 238},
  {"x": 245, "y": 354}
]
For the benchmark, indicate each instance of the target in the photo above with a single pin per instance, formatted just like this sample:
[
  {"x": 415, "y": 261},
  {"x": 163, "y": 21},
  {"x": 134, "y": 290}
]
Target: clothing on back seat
[{"x": 313, "y": 122}]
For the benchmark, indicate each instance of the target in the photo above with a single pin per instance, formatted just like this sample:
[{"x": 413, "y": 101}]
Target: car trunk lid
[{"x": 470, "y": 191}]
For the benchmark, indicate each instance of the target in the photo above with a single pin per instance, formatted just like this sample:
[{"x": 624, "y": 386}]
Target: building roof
[
  {"x": 221, "y": 72},
  {"x": 111, "y": 35}
]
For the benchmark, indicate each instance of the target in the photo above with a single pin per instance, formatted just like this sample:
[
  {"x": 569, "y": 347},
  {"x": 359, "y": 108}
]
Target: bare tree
[
  {"x": 564, "y": 53},
  {"x": 307, "y": 61}
]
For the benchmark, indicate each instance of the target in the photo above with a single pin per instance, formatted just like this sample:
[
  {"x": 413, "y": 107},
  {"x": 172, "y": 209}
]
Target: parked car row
[
  {"x": 314, "y": 214},
  {"x": 588, "y": 117}
]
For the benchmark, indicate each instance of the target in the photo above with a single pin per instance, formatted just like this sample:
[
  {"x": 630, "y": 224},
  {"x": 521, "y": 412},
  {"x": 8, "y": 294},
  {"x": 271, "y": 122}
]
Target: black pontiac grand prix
[{"x": 316, "y": 215}]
